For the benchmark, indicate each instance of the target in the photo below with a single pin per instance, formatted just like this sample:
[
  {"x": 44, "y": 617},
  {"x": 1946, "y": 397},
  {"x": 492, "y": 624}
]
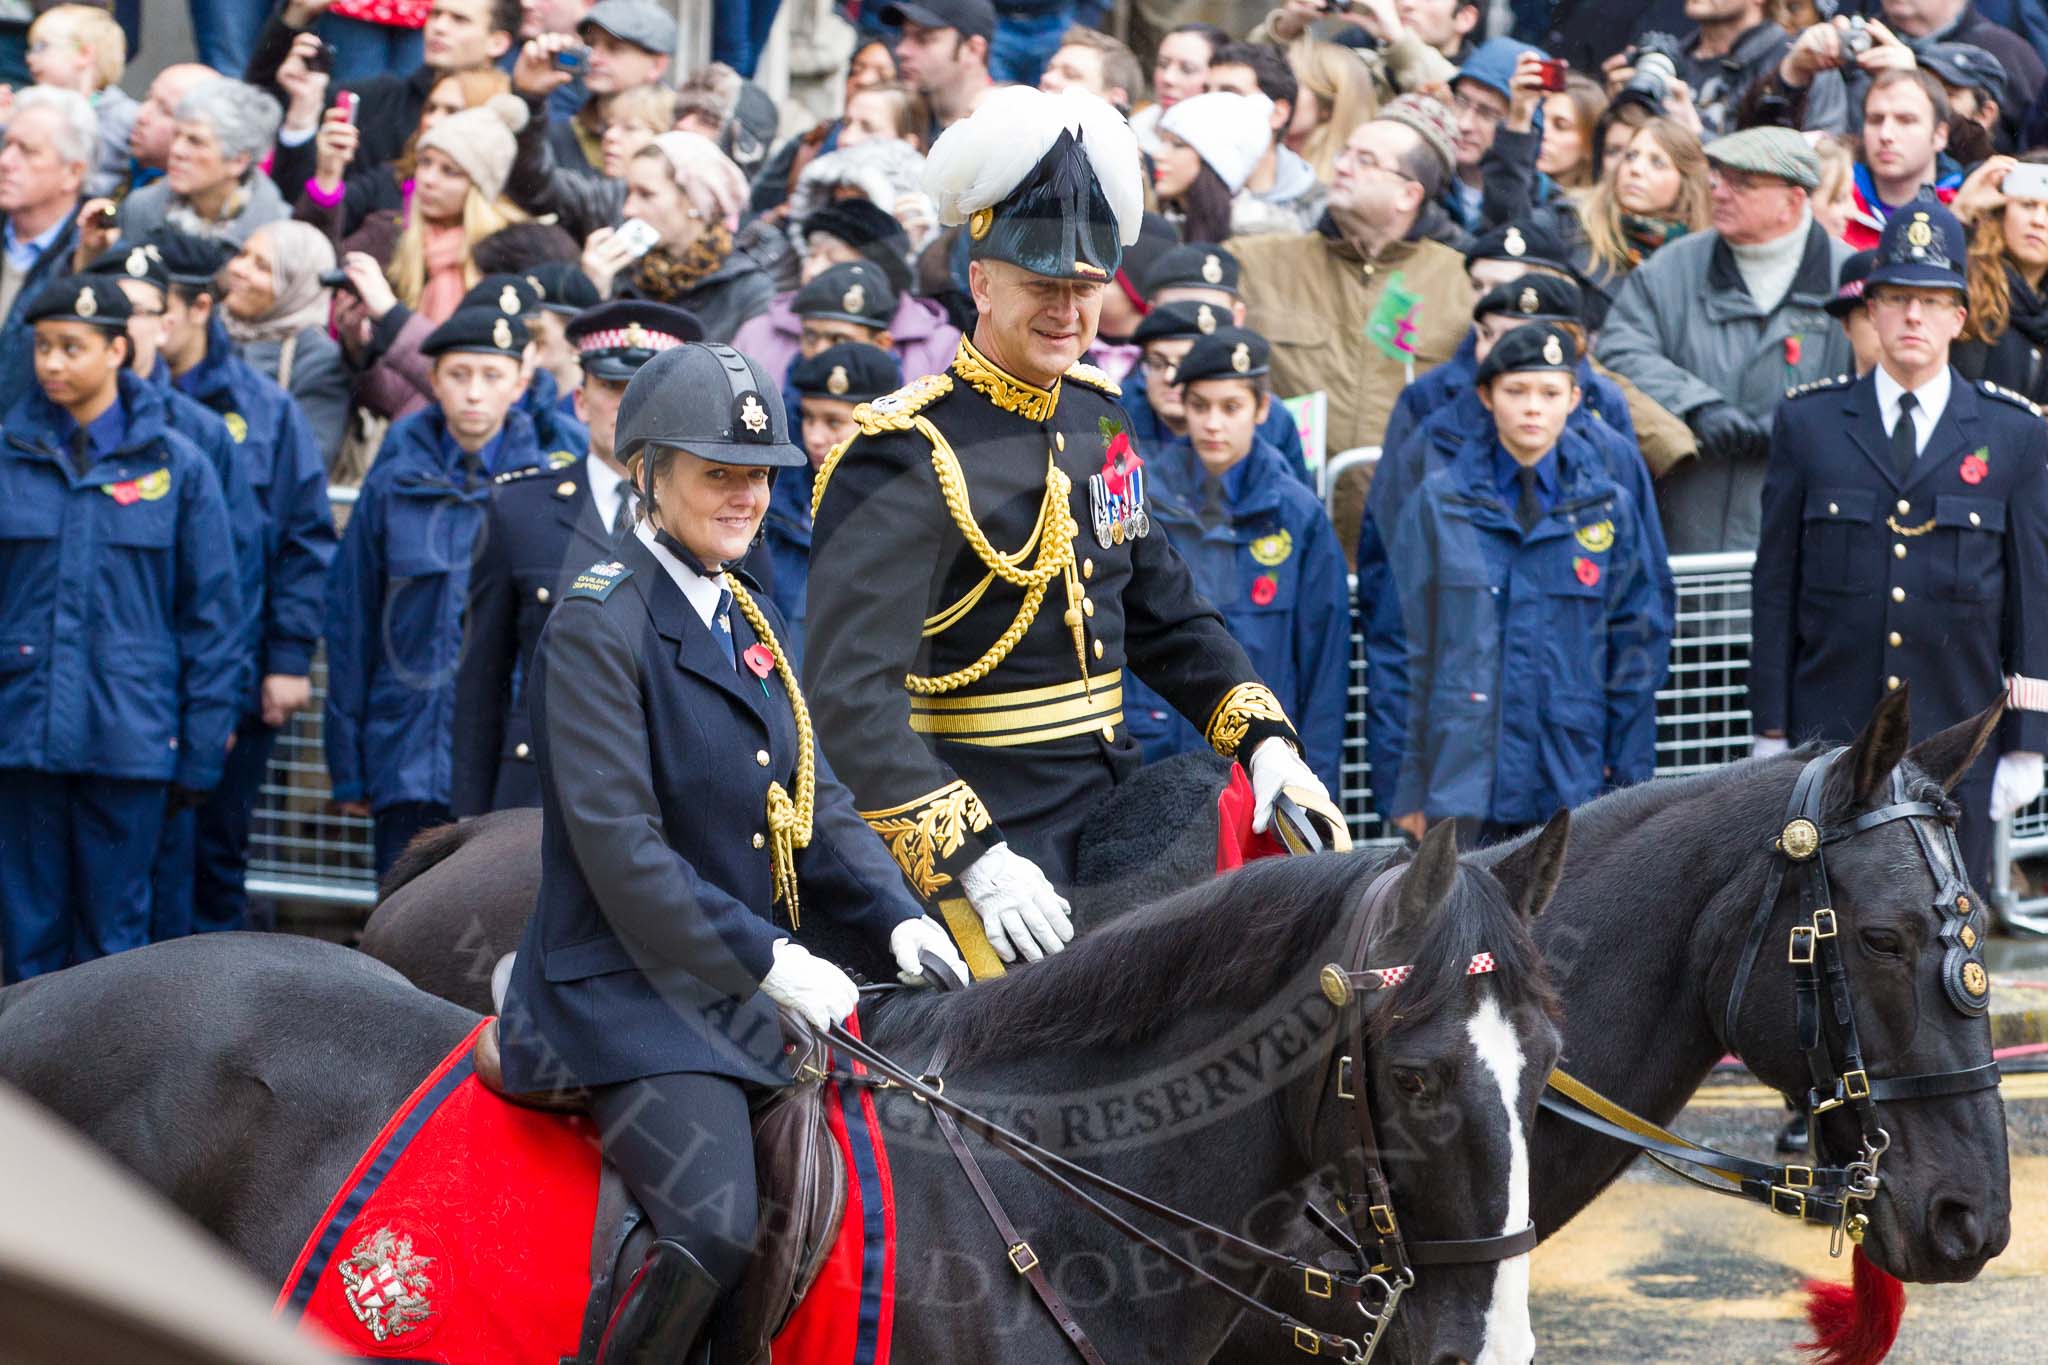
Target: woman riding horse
[{"x": 686, "y": 821}]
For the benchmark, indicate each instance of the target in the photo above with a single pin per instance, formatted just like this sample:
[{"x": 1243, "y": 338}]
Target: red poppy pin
[
  {"x": 129, "y": 492},
  {"x": 760, "y": 659},
  {"x": 1976, "y": 465},
  {"x": 1792, "y": 350},
  {"x": 1118, "y": 459},
  {"x": 1264, "y": 589},
  {"x": 1588, "y": 572}
]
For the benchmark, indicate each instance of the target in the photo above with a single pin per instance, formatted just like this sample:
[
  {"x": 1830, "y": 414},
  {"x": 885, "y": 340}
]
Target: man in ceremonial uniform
[
  {"x": 984, "y": 567},
  {"x": 1905, "y": 539},
  {"x": 543, "y": 525}
]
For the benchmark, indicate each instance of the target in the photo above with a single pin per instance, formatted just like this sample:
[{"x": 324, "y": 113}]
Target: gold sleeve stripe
[
  {"x": 1233, "y": 717},
  {"x": 922, "y": 832}
]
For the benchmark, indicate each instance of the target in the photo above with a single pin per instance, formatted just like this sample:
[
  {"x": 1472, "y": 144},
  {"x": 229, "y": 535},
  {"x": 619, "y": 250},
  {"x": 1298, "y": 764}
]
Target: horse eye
[
  {"x": 1882, "y": 941},
  {"x": 1411, "y": 1081}
]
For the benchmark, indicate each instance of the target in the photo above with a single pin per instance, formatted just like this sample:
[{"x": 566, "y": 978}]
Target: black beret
[
  {"x": 1194, "y": 266},
  {"x": 1539, "y": 346},
  {"x": 1543, "y": 297},
  {"x": 132, "y": 260},
  {"x": 1529, "y": 243},
  {"x": 190, "y": 259},
  {"x": 852, "y": 370},
  {"x": 512, "y": 295},
  {"x": 852, "y": 291},
  {"x": 486, "y": 331},
  {"x": 615, "y": 339},
  {"x": 1226, "y": 353},
  {"x": 564, "y": 288},
  {"x": 92, "y": 299},
  {"x": 1181, "y": 318}
]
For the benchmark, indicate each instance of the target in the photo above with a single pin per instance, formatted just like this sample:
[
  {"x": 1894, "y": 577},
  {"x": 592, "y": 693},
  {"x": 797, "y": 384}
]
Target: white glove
[
  {"x": 809, "y": 987},
  {"x": 1764, "y": 746},
  {"x": 1274, "y": 766},
  {"x": 927, "y": 935},
  {"x": 1020, "y": 912},
  {"x": 2016, "y": 783}
]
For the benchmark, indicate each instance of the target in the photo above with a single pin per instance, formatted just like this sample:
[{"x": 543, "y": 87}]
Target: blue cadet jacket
[
  {"x": 1149, "y": 433},
  {"x": 1435, "y": 445},
  {"x": 17, "y": 334},
  {"x": 1452, "y": 380},
  {"x": 395, "y": 597},
  {"x": 786, "y": 537},
  {"x": 1265, "y": 556},
  {"x": 282, "y": 458},
  {"x": 119, "y": 652},
  {"x": 555, "y": 424},
  {"x": 1534, "y": 660}
]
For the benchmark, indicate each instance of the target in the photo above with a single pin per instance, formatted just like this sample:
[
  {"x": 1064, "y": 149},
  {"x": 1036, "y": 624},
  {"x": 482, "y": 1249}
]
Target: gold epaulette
[
  {"x": 891, "y": 412},
  {"x": 1095, "y": 378}
]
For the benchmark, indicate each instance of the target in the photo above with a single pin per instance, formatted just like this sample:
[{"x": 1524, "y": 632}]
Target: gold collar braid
[
  {"x": 1002, "y": 388},
  {"x": 789, "y": 822}
]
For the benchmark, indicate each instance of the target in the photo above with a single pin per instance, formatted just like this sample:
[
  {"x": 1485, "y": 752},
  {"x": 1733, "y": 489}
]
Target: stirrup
[{"x": 664, "y": 1311}]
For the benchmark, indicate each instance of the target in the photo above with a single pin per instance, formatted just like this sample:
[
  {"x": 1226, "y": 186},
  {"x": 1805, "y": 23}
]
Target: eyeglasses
[
  {"x": 1486, "y": 114},
  {"x": 1366, "y": 161},
  {"x": 1744, "y": 182}
]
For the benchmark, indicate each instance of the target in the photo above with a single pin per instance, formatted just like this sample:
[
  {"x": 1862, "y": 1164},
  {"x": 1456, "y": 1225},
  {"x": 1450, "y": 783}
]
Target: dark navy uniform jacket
[
  {"x": 1262, "y": 550},
  {"x": 654, "y": 925},
  {"x": 1435, "y": 445},
  {"x": 119, "y": 614},
  {"x": 289, "y": 476},
  {"x": 786, "y": 539},
  {"x": 1603, "y": 399},
  {"x": 1865, "y": 581},
  {"x": 1278, "y": 430},
  {"x": 1534, "y": 659},
  {"x": 540, "y": 529},
  {"x": 395, "y": 597}
]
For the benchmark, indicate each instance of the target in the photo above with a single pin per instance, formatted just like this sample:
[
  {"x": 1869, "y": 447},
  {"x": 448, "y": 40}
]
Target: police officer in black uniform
[
  {"x": 688, "y": 826},
  {"x": 542, "y": 526},
  {"x": 1905, "y": 539},
  {"x": 983, "y": 564}
]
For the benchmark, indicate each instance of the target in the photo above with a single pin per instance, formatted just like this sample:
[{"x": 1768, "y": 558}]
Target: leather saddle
[{"x": 802, "y": 1181}]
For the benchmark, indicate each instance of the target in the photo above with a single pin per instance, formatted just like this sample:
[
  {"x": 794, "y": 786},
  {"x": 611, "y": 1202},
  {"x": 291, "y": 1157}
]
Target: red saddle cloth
[
  {"x": 1236, "y": 845},
  {"x": 463, "y": 1237}
]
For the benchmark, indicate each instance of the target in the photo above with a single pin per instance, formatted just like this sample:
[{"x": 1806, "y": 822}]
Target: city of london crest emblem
[{"x": 385, "y": 1284}]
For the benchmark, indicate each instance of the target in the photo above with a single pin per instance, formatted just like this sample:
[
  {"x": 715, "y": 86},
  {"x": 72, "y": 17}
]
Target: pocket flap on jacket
[
  {"x": 1968, "y": 513},
  {"x": 1841, "y": 504}
]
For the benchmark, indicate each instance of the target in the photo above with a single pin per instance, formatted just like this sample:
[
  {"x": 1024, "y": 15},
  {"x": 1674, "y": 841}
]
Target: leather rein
[
  {"x": 1825, "y": 1020},
  {"x": 1381, "y": 1259}
]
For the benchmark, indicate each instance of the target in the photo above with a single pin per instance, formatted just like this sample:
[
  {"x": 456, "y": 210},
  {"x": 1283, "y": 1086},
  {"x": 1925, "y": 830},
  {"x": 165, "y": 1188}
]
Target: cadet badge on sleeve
[{"x": 1116, "y": 495}]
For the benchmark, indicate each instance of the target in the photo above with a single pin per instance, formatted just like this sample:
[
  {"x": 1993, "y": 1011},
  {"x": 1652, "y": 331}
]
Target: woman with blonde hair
[
  {"x": 1336, "y": 95},
  {"x": 340, "y": 201},
  {"x": 2005, "y": 336},
  {"x": 1655, "y": 191}
]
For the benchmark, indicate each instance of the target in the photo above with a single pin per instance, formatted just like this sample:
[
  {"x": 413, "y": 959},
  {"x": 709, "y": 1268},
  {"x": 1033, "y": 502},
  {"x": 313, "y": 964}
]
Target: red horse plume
[{"x": 1854, "y": 1323}]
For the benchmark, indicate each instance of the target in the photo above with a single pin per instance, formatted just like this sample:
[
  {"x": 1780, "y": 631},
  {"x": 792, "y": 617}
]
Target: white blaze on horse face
[{"x": 1509, "y": 1339}]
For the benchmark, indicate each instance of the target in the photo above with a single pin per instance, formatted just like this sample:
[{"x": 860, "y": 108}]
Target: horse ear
[
  {"x": 1530, "y": 874},
  {"x": 1878, "y": 749},
  {"x": 1432, "y": 874},
  {"x": 1948, "y": 755}
]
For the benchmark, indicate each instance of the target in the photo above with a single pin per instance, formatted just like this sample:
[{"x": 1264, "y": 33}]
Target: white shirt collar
[
  {"x": 607, "y": 486},
  {"x": 703, "y": 593},
  {"x": 1930, "y": 401}
]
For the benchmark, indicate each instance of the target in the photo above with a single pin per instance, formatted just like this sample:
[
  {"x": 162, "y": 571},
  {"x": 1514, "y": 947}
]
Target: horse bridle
[
  {"x": 1826, "y": 1016},
  {"x": 1382, "y": 1260}
]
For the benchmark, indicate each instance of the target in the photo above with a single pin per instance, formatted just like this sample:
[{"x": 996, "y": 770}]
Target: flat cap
[
  {"x": 642, "y": 23},
  {"x": 1768, "y": 151},
  {"x": 1965, "y": 66}
]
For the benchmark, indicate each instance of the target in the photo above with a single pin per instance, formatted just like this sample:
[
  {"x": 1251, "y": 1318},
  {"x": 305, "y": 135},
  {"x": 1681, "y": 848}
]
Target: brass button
[
  {"x": 540, "y": 594},
  {"x": 1891, "y": 684},
  {"x": 761, "y": 757},
  {"x": 1899, "y": 550},
  {"x": 1904, "y": 507},
  {"x": 520, "y": 749},
  {"x": 1087, "y": 607},
  {"x": 1898, "y": 594},
  {"x": 1109, "y": 732},
  {"x": 1976, "y": 520},
  {"x": 1059, "y": 438},
  {"x": 760, "y": 841},
  {"x": 1087, "y": 568},
  {"x": 1896, "y": 639},
  {"x": 1833, "y": 508},
  {"x": 1098, "y": 649}
]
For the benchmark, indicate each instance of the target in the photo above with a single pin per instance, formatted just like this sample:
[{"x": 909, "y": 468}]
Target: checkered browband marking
[
  {"x": 1480, "y": 964},
  {"x": 627, "y": 338}
]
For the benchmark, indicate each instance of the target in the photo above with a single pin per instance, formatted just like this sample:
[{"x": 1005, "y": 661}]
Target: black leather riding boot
[{"x": 664, "y": 1311}]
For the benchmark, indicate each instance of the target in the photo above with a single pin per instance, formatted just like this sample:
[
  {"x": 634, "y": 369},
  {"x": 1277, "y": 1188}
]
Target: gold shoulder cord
[{"x": 789, "y": 822}]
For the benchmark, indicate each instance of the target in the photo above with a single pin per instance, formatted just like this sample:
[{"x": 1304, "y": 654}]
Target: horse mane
[
  {"x": 428, "y": 847},
  {"x": 1232, "y": 942}
]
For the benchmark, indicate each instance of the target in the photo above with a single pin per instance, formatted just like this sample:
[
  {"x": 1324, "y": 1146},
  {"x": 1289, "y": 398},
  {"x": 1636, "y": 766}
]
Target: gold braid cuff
[
  {"x": 1233, "y": 717},
  {"x": 789, "y": 821},
  {"x": 922, "y": 833}
]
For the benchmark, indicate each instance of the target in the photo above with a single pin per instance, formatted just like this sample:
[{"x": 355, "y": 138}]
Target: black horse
[{"x": 1185, "y": 1051}]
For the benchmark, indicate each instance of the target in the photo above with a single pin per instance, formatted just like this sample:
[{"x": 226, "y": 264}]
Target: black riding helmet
[{"x": 707, "y": 400}]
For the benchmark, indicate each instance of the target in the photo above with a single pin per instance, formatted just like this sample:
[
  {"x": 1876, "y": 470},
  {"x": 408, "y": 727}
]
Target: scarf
[
  {"x": 1647, "y": 234},
  {"x": 663, "y": 276},
  {"x": 299, "y": 255},
  {"x": 447, "y": 253},
  {"x": 2029, "y": 309}
]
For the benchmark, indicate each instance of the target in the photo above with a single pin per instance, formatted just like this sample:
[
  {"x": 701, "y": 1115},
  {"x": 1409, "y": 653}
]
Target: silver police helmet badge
[
  {"x": 501, "y": 335},
  {"x": 1553, "y": 354},
  {"x": 1212, "y": 269},
  {"x": 855, "y": 299},
  {"x": 753, "y": 416},
  {"x": 508, "y": 301},
  {"x": 836, "y": 382},
  {"x": 385, "y": 1283}
]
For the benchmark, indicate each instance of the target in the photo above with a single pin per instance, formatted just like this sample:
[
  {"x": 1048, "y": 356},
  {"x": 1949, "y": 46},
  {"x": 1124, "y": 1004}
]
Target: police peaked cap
[
  {"x": 613, "y": 340},
  {"x": 91, "y": 299},
  {"x": 132, "y": 260},
  {"x": 1535, "y": 297},
  {"x": 1226, "y": 353},
  {"x": 852, "y": 370},
  {"x": 480, "y": 331},
  {"x": 710, "y": 401},
  {"x": 852, "y": 291},
  {"x": 1539, "y": 346}
]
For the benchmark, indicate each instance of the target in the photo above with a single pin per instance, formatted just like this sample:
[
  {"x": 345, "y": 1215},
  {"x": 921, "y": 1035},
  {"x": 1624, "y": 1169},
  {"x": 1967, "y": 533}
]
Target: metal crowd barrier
[{"x": 302, "y": 850}]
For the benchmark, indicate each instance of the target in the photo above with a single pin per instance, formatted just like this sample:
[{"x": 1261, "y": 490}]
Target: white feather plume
[{"x": 979, "y": 160}]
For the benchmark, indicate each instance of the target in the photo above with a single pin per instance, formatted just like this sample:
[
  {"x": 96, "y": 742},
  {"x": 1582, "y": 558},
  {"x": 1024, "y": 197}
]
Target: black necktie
[
  {"x": 1905, "y": 447},
  {"x": 81, "y": 451},
  {"x": 721, "y": 628},
  {"x": 1528, "y": 507},
  {"x": 622, "y": 520}
]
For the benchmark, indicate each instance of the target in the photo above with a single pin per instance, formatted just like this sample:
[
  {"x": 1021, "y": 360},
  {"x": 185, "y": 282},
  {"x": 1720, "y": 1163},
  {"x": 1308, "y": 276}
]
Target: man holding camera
[
  {"x": 620, "y": 45},
  {"x": 1734, "y": 47},
  {"x": 1832, "y": 64}
]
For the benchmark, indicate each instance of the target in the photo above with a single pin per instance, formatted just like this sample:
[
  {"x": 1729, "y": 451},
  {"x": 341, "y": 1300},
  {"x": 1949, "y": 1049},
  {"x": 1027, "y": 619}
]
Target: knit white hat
[
  {"x": 480, "y": 140},
  {"x": 1230, "y": 132}
]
